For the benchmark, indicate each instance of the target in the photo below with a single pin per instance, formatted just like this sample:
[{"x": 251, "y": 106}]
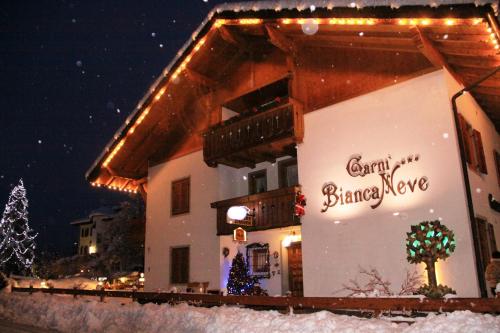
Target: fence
[{"x": 376, "y": 305}]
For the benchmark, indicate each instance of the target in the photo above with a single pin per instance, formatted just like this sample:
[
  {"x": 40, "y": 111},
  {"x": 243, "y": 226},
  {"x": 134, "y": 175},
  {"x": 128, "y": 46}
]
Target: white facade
[
  {"x": 408, "y": 119},
  {"x": 197, "y": 229}
]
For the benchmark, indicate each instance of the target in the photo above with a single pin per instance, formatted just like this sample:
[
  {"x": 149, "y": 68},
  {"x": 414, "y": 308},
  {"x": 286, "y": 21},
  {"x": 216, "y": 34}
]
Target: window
[
  {"x": 180, "y": 196},
  {"x": 86, "y": 232},
  {"x": 473, "y": 146},
  {"x": 83, "y": 232},
  {"x": 493, "y": 241},
  {"x": 179, "y": 265},
  {"x": 258, "y": 260},
  {"x": 288, "y": 173},
  {"x": 257, "y": 182},
  {"x": 497, "y": 162}
]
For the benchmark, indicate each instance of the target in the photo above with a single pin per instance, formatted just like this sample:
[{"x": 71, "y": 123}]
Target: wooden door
[{"x": 295, "y": 269}]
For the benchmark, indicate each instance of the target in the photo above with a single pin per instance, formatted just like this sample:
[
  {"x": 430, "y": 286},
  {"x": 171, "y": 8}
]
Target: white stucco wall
[
  {"x": 196, "y": 229},
  {"x": 481, "y": 184},
  {"x": 413, "y": 117}
]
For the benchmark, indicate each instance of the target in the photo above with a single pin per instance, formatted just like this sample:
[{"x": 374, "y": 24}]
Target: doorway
[{"x": 295, "y": 269}]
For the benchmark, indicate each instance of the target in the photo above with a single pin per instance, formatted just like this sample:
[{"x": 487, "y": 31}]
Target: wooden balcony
[
  {"x": 244, "y": 141},
  {"x": 272, "y": 209}
]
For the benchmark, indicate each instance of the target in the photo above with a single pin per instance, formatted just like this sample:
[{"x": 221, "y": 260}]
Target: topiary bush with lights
[{"x": 427, "y": 242}]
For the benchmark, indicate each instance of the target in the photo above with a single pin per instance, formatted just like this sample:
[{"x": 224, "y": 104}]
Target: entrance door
[{"x": 295, "y": 269}]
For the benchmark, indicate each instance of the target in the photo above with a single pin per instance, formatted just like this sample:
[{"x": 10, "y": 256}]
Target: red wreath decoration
[{"x": 300, "y": 203}]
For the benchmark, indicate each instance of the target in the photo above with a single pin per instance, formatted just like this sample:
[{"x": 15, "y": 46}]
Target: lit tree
[
  {"x": 239, "y": 282},
  {"x": 427, "y": 242},
  {"x": 17, "y": 239}
]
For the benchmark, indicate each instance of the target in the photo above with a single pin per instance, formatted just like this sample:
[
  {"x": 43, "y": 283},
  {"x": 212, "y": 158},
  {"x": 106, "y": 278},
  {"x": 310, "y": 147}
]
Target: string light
[{"x": 287, "y": 21}]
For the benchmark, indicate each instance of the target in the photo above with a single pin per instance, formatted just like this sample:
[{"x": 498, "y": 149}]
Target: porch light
[
  {"x": 291, "y": 239},
  {"x": 237, "y": 212}
]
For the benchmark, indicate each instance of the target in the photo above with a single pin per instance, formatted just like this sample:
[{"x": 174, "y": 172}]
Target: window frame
[
  {"x": 178, "y": 278},
  {"x": 173, "y": 188},
  {"x": 282, "y": 167},
  {"x": 265, "y": 271},
  {"x": 473, "y": 146},
  {"x": 252, "y": 176}
]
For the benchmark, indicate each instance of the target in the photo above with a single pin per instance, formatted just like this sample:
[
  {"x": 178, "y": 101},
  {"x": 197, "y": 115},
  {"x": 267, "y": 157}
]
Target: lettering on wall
[{"x": 374, "y": 195}]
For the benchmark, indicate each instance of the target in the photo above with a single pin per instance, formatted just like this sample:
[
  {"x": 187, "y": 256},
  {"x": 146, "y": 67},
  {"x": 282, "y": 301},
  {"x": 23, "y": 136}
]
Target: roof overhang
[{"x": 149, "y": 117}]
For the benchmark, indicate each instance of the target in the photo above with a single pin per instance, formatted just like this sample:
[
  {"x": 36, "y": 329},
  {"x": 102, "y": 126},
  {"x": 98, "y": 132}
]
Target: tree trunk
[{"x": 431, "y": 273}]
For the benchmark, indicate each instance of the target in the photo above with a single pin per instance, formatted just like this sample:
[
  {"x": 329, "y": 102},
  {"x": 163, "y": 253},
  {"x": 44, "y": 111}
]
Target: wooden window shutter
[
  {"x": 179, "y": 267},
  {"x": 466, "y": 139},
  {"x": 493, "y": 241},
  {"x": 497, "y": 163},
  {"x": 180, "y": 196},
  {"x": 478, "y": 145}
]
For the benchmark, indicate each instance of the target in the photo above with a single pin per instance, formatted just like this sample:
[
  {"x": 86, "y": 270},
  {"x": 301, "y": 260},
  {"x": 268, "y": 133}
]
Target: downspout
[{"x": 465, "y": 173}]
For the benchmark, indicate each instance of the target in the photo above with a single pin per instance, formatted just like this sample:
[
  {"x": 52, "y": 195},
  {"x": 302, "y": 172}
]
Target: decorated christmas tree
[
  {"x": 239, "y": 282},
  {"x": 17, "y": 239},
  {"x": 427, "y": 242}
]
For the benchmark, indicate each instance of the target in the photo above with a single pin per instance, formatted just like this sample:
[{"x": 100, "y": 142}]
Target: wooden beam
[
  {"x": 476, "y": 62},
  {"x": 361, "y": 45},
  {"x": 468, "y": 52},
  {"x": 143, "y": 191},
  {"x": 430, "y": 51},
  {"x": 282, "y": 42},
  {"x": 234, "y": 38},
  {"x": 200, "y": 79},
  {"x": 490, "y": 91}
]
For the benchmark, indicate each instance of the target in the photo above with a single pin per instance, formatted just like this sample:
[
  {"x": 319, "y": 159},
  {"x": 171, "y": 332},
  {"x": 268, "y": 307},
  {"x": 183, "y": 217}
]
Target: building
[
  {"x": 91, "y": 230},
  {"x": 354, "y": 101}
]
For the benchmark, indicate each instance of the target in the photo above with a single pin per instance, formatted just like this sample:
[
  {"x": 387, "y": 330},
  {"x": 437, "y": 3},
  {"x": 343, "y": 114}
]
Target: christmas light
[{"x": 17, "y": 239}]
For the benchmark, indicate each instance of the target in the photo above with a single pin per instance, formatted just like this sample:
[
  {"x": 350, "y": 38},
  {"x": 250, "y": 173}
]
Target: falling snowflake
[
  {"x": 79, "y": 63},
  {"x": 153, "y": 34},
  {"x": 39, "y": 142}
]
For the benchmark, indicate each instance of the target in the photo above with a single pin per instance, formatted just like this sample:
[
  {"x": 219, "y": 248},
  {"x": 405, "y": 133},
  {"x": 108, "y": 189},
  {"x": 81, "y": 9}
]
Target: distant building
[{"x": 91, "y": 230}]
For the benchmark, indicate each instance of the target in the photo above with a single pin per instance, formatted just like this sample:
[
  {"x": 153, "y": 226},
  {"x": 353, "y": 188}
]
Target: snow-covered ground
[
  {"x": 68, "y": 283},
  {"x": 66, "y": 314}
]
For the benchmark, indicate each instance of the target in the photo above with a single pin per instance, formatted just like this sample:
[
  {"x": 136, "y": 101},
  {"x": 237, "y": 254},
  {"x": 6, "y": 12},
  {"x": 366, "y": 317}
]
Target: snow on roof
[
  {"x": 276, "y": 5},
  {"x": 330, "y": 4}
]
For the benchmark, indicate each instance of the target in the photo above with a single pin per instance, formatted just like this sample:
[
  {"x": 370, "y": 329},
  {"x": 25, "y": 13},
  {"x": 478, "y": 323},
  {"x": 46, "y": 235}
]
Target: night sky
[{"x": 70, "y": 73}]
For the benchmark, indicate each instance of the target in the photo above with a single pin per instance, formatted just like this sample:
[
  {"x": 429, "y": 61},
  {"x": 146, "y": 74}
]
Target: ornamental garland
[{"x": 300, "y": 203}]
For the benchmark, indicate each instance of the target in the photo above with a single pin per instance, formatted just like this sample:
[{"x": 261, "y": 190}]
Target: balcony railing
[
  {"x": 272, "y": 209},
  {"x": 247, "y": 140}
]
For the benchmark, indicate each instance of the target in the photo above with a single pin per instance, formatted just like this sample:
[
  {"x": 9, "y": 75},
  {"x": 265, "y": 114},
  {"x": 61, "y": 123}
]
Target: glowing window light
[
  {"x": 92, "y": 249},
  {"x": 449, "y": 22},
  {"x": 286, "y": 21},
  {"x": 425, "y": 22}
]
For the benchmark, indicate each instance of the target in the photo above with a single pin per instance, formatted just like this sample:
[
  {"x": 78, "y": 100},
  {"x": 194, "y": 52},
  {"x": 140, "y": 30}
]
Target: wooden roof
[{"x": 212, "y": 70}]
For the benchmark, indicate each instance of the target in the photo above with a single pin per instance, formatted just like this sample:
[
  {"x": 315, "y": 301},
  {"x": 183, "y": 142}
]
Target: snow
[
  {"x": 66, "y": 314},
  {"x": 68, "y": 283}
]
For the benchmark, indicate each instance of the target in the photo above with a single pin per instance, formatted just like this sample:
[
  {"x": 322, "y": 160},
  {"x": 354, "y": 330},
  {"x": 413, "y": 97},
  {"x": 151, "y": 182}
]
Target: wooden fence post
[{"x": 101, "y": 297}]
